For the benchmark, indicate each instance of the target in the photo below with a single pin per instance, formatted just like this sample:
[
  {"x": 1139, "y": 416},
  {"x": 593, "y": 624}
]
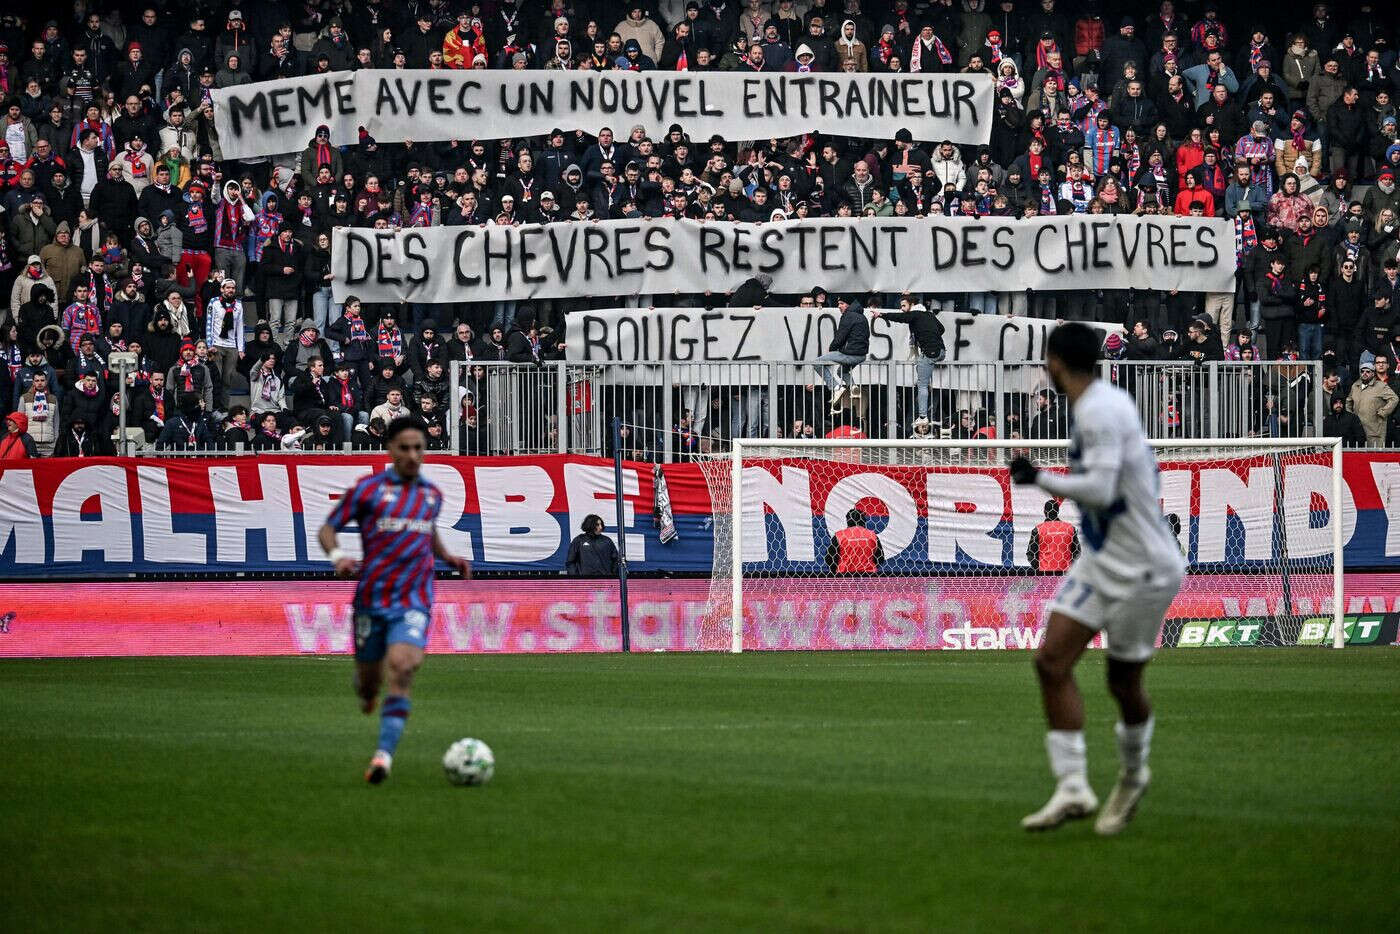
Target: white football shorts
[{"x": 1128, "y": 612}]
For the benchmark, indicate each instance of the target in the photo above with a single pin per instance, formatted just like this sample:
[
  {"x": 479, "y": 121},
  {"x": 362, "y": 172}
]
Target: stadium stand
[{"x": 126, "y": 229}]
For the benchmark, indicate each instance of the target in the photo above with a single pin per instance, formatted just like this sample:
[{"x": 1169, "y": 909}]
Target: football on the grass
[{"x": 469, "y": 762}]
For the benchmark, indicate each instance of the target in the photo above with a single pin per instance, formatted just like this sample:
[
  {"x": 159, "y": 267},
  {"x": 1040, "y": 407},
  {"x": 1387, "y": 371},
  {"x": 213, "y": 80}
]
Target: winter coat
[
  {"x": 30, "y": 236},
  {"x": 1347, "y": 426},
  {"x": 275, "y": 259},
  {"x": 1373, "y": 405},
  {"x": 1324, "y": 90},
  {"x": 852, "y": 332},
  {"x": 170, "y": 242},
  {"x": 63, "y": 263},
  {"x": 591, "y": 556},
  {"x": 647, "y": 34},
  {"x": 24, "y": 285},
  {"x": 925, "y": 330}
]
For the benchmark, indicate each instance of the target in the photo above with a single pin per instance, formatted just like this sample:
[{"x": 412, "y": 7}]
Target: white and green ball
[{"x": 469, "y": 762}]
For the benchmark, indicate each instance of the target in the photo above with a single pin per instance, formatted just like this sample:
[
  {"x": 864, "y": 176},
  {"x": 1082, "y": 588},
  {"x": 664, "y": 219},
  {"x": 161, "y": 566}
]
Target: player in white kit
[{"x": 1125, "y": 578}]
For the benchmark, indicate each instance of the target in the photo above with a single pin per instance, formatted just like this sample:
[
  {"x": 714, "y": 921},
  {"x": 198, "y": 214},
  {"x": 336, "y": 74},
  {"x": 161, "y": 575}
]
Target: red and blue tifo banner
[{"x": 98, "y": 517}]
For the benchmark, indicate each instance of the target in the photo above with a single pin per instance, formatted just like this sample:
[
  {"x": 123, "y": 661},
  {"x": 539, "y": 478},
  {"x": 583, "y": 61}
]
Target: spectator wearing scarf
[
  {"x": 928, "y": 54},
  {"x": 389, "y": 340},
  {"x": 266, "y": 387},
  {"x": 80, "y": 317},
  {"x": 223, "y": 331},
  {"x": 188, "y": 375}
]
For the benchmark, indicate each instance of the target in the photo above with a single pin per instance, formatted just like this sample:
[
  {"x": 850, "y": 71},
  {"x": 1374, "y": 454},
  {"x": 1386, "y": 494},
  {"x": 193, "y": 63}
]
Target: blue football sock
[{"x": 392, "y": 718}]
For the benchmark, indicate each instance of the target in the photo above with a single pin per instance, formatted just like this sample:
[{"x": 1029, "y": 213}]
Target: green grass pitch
[{"x": 666, "y": 792}]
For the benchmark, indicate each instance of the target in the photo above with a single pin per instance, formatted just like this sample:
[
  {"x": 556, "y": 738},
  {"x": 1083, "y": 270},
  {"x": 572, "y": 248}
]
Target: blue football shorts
[{"x": 377, "y": 629}]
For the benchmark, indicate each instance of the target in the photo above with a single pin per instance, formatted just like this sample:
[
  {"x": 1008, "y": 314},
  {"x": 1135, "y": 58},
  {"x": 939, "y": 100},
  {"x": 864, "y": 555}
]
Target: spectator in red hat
[
  {"x": 134, "y": 72},
  {"x": 188, "y": 375}
]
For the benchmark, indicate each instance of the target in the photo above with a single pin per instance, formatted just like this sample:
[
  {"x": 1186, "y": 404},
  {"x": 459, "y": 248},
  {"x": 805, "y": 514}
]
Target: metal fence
[{"x": 676, "y": 411}]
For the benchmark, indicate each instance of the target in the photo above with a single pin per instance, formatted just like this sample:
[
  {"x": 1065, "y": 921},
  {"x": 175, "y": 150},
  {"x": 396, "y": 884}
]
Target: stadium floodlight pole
[
  {"x": 739, "y": 445},
  {"x": 621, "y": 535}
]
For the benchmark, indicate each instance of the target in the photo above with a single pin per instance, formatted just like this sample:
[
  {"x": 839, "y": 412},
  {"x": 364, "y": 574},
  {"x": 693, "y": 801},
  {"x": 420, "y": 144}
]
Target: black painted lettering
[
  {"x": 657, "y": 241},
  {"x": 254, "y": 110},
  {"x": 437, "y": 96},
  {"x": 595, "y": 246},
  {"x": 622, "y": 251},
  {"x": 963, "y": 93},
  {"x": 971, "y": 245},
  {"x": 712, "y": 247},
  {"x": 464, "y": 104},
  {"x": 1040, "y": 254},
  {"x": 527, "y": 255},
  {"x": 462, "y": 243},
  {"x": 770, "y": 243},
  {"x": 359, "y": 258},
  {"x": 595, "y": 337},
  {"x": 943, "y": 245},
  {"x": 384, "y": 258},
  {"x": 1003, "y": 238},
  {"x": 414, "y": 247},
  {"x": 747, "y": 321},
  {"x": 505, "y": 254}
]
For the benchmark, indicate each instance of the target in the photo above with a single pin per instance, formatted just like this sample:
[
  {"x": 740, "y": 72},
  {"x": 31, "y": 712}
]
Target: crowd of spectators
[{"x": 125, "y": 229}]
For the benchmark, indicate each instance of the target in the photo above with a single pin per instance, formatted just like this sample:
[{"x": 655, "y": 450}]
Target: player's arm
[
  {"x": 833, "y": 555},
  {"x": 345, "y": 566},
  {"x": 1094, "y": 487},
  {"x": 463, "y": 565}
]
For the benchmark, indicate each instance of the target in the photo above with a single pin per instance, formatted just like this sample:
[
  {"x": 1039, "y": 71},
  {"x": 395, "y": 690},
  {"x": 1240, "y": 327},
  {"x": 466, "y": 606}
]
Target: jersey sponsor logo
[{"x": 397, "y": 524}]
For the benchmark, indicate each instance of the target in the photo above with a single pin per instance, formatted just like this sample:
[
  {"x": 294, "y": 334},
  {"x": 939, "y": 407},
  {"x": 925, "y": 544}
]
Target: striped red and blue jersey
[{"x": 396, "y": 518}]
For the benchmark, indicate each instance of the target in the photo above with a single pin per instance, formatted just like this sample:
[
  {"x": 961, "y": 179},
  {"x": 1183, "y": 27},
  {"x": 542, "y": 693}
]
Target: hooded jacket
[
  {"x": 852, "y": 332},
  {"x": 17, "y": 446}
]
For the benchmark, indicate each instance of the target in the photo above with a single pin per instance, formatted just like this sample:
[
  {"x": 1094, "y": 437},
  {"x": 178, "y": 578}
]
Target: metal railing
[
  {"x": 677, "y": 411},
  {"x": 674, "y": 411}
]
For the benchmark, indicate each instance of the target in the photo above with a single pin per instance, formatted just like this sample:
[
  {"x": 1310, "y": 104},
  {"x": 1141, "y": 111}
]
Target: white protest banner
[
  {"x": 740, "y": 335},
  {"x": 854, "y": 255},
  {"x": 273, "y": 117}
]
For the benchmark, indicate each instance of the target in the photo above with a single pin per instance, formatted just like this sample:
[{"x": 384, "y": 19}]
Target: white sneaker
[
  {"x": 921, "y": 425},
  {"x": 838, "y": 393},
  {"x": 1067, "y": 803},
  {"x": 1122, "y": 802},
  {"x": 379, "y": 767}
]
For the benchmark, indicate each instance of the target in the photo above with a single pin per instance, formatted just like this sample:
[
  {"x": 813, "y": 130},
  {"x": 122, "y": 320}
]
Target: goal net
[{"x": 968, "y": 560}]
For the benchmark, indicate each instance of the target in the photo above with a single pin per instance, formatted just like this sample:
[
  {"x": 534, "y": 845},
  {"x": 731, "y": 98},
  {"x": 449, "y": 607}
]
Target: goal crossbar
[{"x": 771, "y": 446}]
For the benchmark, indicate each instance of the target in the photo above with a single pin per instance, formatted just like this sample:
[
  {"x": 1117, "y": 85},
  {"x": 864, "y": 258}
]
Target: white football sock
[
  {"x": 1068, "y": 757},
  {"x": 1134, "y": 743}
]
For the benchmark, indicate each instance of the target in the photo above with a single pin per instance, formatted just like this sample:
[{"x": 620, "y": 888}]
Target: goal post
[{"x": 1260, "y": 521}]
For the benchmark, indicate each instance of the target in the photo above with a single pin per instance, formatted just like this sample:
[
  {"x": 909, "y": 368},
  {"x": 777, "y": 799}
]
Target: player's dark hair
[
  {"x": 404, "y": 423},
  {"x": 1076, "y": 345},
  {"x": 592, "y": 522},
  {"x": 1052, "y": 510},
  {"x": 855, "y": 517}
]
